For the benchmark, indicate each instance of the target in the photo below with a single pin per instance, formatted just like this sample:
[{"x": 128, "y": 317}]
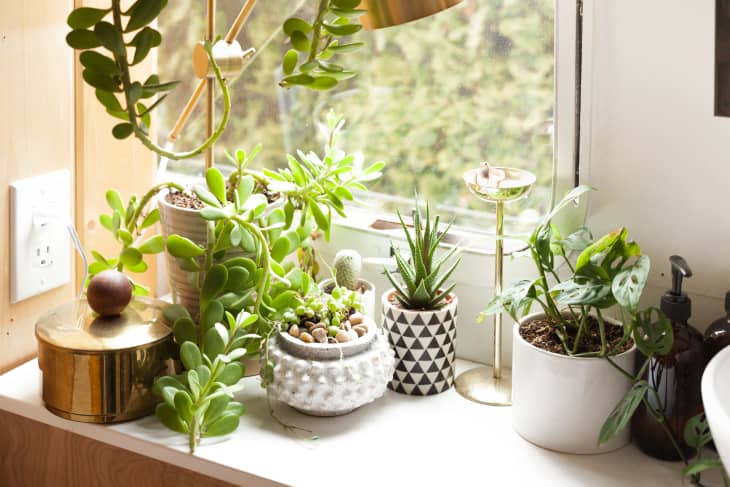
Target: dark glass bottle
[
  {"x": 717, "y": 335},
  {"x": 677, "y": 377}
]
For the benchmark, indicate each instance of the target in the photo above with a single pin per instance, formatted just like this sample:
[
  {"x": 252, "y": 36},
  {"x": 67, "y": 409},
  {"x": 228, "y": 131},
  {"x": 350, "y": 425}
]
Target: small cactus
[{"x": 347, "y": 268}]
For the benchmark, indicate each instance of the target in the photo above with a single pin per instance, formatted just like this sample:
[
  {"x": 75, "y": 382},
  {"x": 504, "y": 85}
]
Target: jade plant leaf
[
  {"x": 169, "y": 417},
  {"x": 212, "y": 314},
  {"x": 227, "y": 423},
  {"x": 153, "y": 245},
  {"x": 182, "y": 247},
  {"x": 214, "y": 283},
  {"x": 143, "y": 12},
  {"x": 231, "y": 374},
  {"x": 190, "y": 355},
  {"x": 185, "y": 330},
  {"x": 216, "y": 184},
  {"x": 85, "y": 17}
]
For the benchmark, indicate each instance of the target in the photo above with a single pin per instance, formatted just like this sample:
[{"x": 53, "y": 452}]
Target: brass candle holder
[{"x": 492, "y": 385}]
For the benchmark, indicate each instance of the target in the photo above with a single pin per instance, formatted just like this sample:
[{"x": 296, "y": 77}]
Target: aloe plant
[{"x": 422, "y": 277}]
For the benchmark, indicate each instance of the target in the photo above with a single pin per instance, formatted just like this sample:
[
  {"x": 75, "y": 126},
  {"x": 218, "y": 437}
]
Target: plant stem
[
  {"x": 317, "y": 30},
  {"x": 602, "y": 332},
  {"x": 132, "y": 114}
]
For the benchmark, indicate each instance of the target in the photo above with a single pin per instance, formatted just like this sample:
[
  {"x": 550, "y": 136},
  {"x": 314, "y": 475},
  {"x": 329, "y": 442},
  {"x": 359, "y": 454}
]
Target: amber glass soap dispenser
[
  {"x": 717, "y": 335},
  {"x": 676, "y": 376}
]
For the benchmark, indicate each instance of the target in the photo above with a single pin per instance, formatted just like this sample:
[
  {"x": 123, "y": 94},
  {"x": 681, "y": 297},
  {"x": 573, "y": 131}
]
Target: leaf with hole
[
  {"x": 622, "y": 413},
  {"x": 628, "y": 284},
  {"x": 653, "y": 332}
]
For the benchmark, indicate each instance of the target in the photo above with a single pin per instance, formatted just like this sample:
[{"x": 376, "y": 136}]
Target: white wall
[{"x": 658, "y": 156}]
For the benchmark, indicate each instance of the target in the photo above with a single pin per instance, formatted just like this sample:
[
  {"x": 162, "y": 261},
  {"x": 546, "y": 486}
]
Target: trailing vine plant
[{"x": 308, "y": 63}]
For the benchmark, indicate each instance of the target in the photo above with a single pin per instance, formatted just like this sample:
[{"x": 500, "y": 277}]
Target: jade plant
[{"x": 422, "y": 273}]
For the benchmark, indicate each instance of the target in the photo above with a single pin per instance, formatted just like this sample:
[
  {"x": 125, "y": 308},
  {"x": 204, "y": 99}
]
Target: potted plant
[
  {"x": 328, "y": 357},
  {"x": 420, "y": 311},
  {"x": 564, "y": 356},
  {"x": 346, "y": 269}
]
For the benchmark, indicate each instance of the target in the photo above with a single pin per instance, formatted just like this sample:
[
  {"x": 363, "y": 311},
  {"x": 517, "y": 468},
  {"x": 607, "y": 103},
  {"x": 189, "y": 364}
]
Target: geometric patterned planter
[{"x": 424, "y": 344}]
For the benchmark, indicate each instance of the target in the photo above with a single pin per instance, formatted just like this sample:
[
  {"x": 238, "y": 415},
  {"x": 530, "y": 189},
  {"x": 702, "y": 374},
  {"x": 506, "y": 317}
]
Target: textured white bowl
[
  {"x": 561, "y": 402},
  {"x": 309, "y": 379},
  {"x": 716, "y": 398}
]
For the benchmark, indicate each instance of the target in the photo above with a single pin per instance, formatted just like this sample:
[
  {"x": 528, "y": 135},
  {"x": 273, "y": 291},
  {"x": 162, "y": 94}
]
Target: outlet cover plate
[{"x": 40, "y": 208}]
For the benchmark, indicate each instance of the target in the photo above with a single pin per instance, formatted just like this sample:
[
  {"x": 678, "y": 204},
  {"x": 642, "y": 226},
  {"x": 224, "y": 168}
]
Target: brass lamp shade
[{"x": 387, "y": 13}]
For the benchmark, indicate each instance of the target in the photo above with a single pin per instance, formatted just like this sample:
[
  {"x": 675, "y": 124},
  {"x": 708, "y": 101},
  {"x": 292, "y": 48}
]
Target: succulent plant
[
  {"x": 421, "y": 275},
  {"x": 347, "y": 267}
]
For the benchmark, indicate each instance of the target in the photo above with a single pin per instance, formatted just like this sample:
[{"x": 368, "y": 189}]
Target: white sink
[{"x": 716, "y": 397}]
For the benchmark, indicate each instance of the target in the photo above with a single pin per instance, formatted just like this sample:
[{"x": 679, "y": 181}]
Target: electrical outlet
[{"x": 40, "y": 209}]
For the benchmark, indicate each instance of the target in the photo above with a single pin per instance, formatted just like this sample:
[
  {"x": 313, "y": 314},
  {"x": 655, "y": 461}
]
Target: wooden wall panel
[
  {"x": 102, "y": 162},
  {"x": 37, "y": 455},
  {"x": 36, "y": 136}
]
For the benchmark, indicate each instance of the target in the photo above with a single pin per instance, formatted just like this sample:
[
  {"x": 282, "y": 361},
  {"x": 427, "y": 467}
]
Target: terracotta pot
[
  {"x": 424, "y": 343},
  {"x": 560, "y": 402},
  {"x": 322, "y": 379},
  {"x": 368, "y": 296}
]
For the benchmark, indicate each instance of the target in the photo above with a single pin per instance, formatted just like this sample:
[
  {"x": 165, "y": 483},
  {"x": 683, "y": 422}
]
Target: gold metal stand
[{"x": 492, "y": 385}]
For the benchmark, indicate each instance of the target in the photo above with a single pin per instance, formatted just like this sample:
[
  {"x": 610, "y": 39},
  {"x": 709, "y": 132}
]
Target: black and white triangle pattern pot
[{"x": 424, "y": 344}]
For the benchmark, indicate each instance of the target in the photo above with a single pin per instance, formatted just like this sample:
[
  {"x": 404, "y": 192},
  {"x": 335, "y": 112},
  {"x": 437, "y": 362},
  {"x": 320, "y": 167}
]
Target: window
[{"x": 433, "y": 98}]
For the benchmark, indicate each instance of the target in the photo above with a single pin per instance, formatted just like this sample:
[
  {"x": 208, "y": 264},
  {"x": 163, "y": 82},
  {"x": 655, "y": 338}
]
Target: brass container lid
[{"x": 75, "y": 327}]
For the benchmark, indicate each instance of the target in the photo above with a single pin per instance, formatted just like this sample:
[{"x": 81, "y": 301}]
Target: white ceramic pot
[
  {"x": 561, "y": 402},
  {"x": 368, "y": 296},
  {"x": 323, "y": 379},
  {"x": 424, "y": 343},
  {"x": 189, "y": 224},
  {"x": 716, "y": 398}
]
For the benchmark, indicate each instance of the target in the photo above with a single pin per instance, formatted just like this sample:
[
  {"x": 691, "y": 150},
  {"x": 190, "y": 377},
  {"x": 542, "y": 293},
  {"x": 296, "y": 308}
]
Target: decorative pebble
[
  {"x": 309, "y": 324},
  {"x": 317, "y": 326},
  {"x": 353, "y": 335},
  {"x": 347, "y": 326},
  {"x": 294, "y": 331},
  {"x": 306, "y": 337},
  {"x": 320, "y": 334},
  {"x": 356, "y": 319},
  {"x": 360, "y": 330},
  {"x": 343, "y": 336}
]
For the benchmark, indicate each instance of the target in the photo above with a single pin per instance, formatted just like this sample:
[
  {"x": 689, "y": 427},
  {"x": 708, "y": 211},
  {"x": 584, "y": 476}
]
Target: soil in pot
[
  {"x": 542, "y": 333},
  {"x": 192, "y": 202}
]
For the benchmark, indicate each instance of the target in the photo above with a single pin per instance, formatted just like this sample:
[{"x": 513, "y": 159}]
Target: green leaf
[
  {"x": 697, "y": 432},
  {"x": 216, "y": 408},
  {"x": 344, "y": 48},
  {"x": 323, "y": 222},
  {"x": 168, "y": 416},
  {"x": 194, "y": 382},
  {"x": 214, "y": 283},
  {"x": 346, "y": 4},
  {"x": 296, "y": 24},
  {"x": 97, "y": 62},
  {"x": 245, "y": 188},
  {"x": 323, "y": 82},
  {"x": 154, "y": 245},
  {"x": 85, "y": 17},
  {"x": 122, "y": 130},
  {"x": 226, "y": 424},
  {"x": 124, "y": 236},
  {"x": 299, "y": 41},
  {"x": 182, "y": 247},
  {"x": 628, "y": 284},
  {"x": 622, "y": 413},
  {"x": 231, "y": 374},
  {"x": 114, "y": 200},
  {"x": 151, "y": 218},
  {"x": 144, "y": 41},
  {"x": 184, "y": 405},
  {"x": 212, "y": 314},
  {"x": 237, "y": 278},
  {"x": 185, "y": 330},
  {"x": 699, "y": 465},
  {"x": 100, "y": 81},
  {"x": 297, "y": 79},
  {"x": 216, "y": 183},
  {"x": 82, "y": 39},
  {"x": 290, "y": 61},
  {"x": 143, "y": 12},
  {"x": 572, "y": 196},
  {"x": 280, "y": 249},
  {"x": 342, "y": 30},
  {"x": 330, "y": 67},
  {"x": 206, "y": 196},
  {"x": 212, "y": 213},
  {"x": 131, "y": 257},
  {"x": 109, "y": 100},
  {"x": 214, "y": 341},
  {"x": 174, "y": 312},
  {"x": 110, "y": 38},
  {"x": 580, "y": 291},
  {"x": 190, "y": 355},
  {"x": 653, "y": 332},
  {"x": 578, "y": 240}
]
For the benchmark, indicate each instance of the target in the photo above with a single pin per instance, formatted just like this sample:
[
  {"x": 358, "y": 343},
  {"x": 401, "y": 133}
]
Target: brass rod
[
  {"x": 498, "y": 261},
  {"x": 240, "y": 20},
  {"x": 210, "y": 88},
  {"x": 187, "y": 111}
]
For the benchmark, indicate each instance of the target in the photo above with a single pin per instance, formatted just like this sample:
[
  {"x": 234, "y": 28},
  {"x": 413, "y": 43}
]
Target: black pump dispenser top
[{"x": 675, "y": 303}]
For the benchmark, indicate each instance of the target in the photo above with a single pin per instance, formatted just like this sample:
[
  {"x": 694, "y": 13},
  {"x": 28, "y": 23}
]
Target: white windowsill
[{"x": 398, "y": 440}]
